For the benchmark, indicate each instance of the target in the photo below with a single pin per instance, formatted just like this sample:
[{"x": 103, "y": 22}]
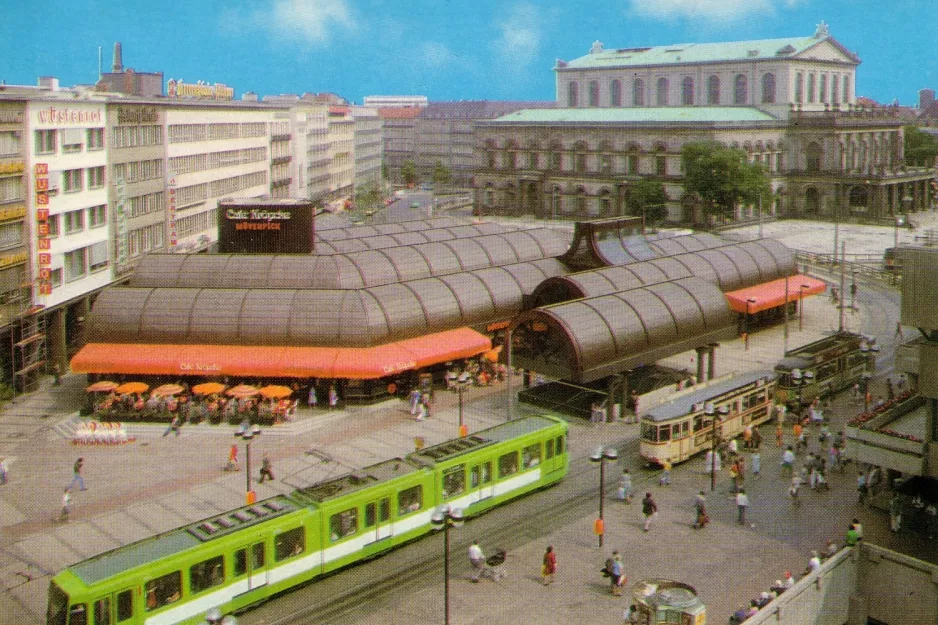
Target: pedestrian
[
  {"x": 311, "y": 398},
  {"x": 625, "y": 486},
  {"x": 66, "y": 504},
  {"x": 4, "y": 471},
  {"x": 700, "y": 511},
  {"x": 756, "y": 438},
  {"x": 862, "y": 488},
  {"x": 613, "y": 570},
  {"x": 856, "y": 525},
  {"x": 788, "y": 460},
  {"x": 856, "y": 392},
  {"x": 477, "y": 559},
  {"x": 649, "y": 509},
  {"x": 665, "y": 479},
  {"x": 742, "y": 502},
  {"x": 779, "y": 435},
  {"x": 549, "y": 566},
  {"x": 852, "y": 537},
  {"x": 174, "y": 426},
  {"x": 631, "y": 615},
  {"x": 267, "y": 469},
  {"x": 333, "y": 397},
  {"x": 756, "y": 463},
  {"x": 414, "y": 401},
  {"x": 899, "y": 330},
  {"x": 57, "y": 373},
  {"x": 76, "y": 475},
  {"x": 232, "y": 459}
]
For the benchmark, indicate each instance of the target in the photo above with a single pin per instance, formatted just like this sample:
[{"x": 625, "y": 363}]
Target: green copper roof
[
  {"x": 647, "y": 115},
  {"x": 691, "y": 53}
]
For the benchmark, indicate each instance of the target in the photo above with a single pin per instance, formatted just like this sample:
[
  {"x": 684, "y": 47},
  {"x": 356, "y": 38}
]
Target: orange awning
[
  {"x": 363, "y": 363},
  {"x": 772, "y": 294}
]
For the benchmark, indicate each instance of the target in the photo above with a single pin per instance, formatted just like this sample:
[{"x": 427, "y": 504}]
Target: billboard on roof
[{"x": 258, "y": 226}]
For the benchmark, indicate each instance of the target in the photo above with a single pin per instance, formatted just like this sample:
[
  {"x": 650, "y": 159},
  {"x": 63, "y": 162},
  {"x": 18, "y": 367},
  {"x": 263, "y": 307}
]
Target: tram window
[
  {"x": 343, "y": 524},
  {"x": 163, "y": 590},
  {"x": 78, "y": 614},
  {"x": 240, "y": 562},
  {"x": 454, "y": 481},
  {"x": 680, "y": 430},
  {"x": 649, "y": 432},
  {"x": 558, "y": 445},
  {"x": 475, "y": 476},
  {"x": 508, "y": 464},
  {"x": 384, "y": 510},
  {"x": 664, "y": 433},
  {"x": 548, "y": 449},
  {"x": 125, "y": 605},
  {"x": 58, "y": 606},
  {"x": 531, "y": 455},
  {"x": 409, "y": 500},
  {"x": 102, "y": 611},
  {"x": 289, "y": 543},
  {"x": 257, "y": 556},
  {"x": 698, "y": 423},
  {"x": 207, "y": 574},
  {"x": 486, "y": 472}
]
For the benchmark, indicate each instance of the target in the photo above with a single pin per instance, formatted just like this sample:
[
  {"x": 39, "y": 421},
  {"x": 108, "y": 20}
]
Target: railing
[{"x": 864, "y": 265}]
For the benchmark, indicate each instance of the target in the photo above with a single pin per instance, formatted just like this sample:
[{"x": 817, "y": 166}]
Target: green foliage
[
  {"x": 409, "y": 172},
  {"x": 367, "y": 196},
  {"x": 6, "y": 392},
  {"x": 647, "y": 197},
  {"x": 441, "y": 174},
  {"x": 921, "y": 148},
  {"x": 721, "y": 177}
]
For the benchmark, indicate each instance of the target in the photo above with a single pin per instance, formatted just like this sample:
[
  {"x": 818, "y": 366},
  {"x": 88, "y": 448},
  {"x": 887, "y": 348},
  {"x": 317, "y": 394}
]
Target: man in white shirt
[{"x": 477, "y": 559}]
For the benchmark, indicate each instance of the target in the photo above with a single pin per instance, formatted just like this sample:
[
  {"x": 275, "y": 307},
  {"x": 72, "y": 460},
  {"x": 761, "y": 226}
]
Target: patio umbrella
[
  {"x": 242, "y": 390},
  {"x": 275, "y": 391},
  {"x": 132, "y": 387},
  {"x": 208, "y": 388},
  {"x": 167, "y": 389},
  {"x": 102, "y": 385}
]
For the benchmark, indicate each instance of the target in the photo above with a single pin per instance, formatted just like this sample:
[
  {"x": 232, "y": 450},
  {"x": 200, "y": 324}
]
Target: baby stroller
[{"x": 495, "y": 562}]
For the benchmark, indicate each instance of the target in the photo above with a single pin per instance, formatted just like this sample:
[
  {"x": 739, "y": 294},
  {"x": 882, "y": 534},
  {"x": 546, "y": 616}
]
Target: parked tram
[
  {"x": 244, "y": 556},
  {"x": 683, "y": 427},
  {"x": 824, "y": 367}
]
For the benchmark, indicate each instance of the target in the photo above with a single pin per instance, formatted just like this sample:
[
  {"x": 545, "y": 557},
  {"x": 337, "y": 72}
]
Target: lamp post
[
  {"x": 508, "y": 341},
  {"x": 248, "y": 434},
  {"x": 898, "y": 224},
  {"x": 710, "y": 412},
  {"x": 749, "y": 302},
  {"x": 460, "y": 387},
  {"x": 796, "y": 380},
  {"x": 601, "y": 456},
  {"x": 801, "y": 291},
  {"x": 853, "y": 292},
  {"x": 443, "y": 519},
  {"x": 214, "y": 617}
]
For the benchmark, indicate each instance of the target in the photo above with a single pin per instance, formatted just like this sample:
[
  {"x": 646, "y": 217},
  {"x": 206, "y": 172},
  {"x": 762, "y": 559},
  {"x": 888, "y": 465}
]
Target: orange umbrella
[
  {"x": 167, "y": 389},
  {"x": 132, "y": 387},
  {"x": 242, "y": 390},
  {"x": 102, "y": 385},
  {"x": 208, "y": 388},
  {"x": 275, "y": 391}
]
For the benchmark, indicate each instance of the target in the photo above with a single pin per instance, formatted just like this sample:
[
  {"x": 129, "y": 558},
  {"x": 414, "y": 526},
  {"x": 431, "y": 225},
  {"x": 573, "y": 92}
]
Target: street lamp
[
  {"x": 801, "y": 305},
  {"x": 214, "y": 617},
  {"x": 442, "y": 519},
  {"x": 749, "y": 302},
  {"x": 710, "y": 413},
  {"x": 898, "y": 225},
  {"x": 248, "y": 434},
  {"x": 460, "y": 387},
  {"x": 601, "y": 456},
  {"x": 853, "y": 292},
  {"x": 796, "y": 381}
]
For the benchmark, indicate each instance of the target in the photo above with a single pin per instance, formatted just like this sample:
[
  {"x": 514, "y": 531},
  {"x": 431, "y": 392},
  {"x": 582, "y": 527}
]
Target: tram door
[
  {"x": 378, "y": 520},
  {"x": 481, "y": 480},
  {"x": 257, "y": 569}
]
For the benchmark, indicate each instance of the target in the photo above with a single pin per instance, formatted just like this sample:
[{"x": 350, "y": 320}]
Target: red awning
[
  {"x": 362, "y": 363},
  {"x": 772, "y": 294}
]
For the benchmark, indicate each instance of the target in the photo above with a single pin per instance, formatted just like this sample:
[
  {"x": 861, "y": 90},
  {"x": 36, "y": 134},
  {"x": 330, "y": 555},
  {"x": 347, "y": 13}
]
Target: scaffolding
[{"x": 29, "y": 349}]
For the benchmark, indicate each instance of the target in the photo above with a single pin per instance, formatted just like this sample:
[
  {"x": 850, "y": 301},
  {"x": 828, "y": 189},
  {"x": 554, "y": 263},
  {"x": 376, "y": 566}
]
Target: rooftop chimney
[{"x": 118, "y": 62}]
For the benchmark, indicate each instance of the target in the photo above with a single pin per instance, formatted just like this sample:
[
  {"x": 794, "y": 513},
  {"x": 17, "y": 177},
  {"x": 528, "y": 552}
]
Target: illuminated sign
[
  {"x": 265, "y": 227},
  {"x": 13, "y": 259},
  {"x": 12, "y": 212},
  {"x": 14, "y": 167},
  {"x": 137, "y": 115},
  {"x": 121, "y": 209},
  {"x": 171, "y": 209},
  {"x": 180, "y": 89},
  {"x": 11, "y": 117},
  {"x": 43, "y": 242},
  {"x": 69, "y": 116}
]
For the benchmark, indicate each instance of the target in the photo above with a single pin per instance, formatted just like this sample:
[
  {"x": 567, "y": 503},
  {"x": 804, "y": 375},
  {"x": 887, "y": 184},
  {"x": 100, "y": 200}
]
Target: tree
[
  {"x": 921, "y": 148},
  {"x": 647, "y": 198},
  {"x": 441, "y": 174},
  {"x": 409, "y": 172},
  {"x": 367, "y": 196},
  {"x": 721, "y": 177}
]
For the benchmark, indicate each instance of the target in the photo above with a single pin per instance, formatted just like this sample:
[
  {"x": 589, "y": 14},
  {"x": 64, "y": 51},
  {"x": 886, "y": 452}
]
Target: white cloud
[
  {"x": 707, "y": 10},
  {"x": 308, "y": 21},
  {"x": 435, "y": 55},
  {"x": 519, "y": 37}
]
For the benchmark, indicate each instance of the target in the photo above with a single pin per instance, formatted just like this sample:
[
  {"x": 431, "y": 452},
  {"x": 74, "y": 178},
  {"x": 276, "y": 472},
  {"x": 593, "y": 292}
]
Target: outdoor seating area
[{"x": 213, "y": 402}]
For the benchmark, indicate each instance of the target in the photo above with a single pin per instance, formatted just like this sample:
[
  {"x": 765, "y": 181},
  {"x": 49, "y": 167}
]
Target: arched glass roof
[
  {"x": 590, "y": 338},
  {"x": 398, "y": 227},
  {"x": 396, "y": 239},
  {"x": 347, "y": 271},
  {"x": 365, "y": 317}
]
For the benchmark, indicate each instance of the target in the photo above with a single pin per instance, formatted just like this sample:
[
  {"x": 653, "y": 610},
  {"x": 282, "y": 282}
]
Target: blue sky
[{"x": 444, "y": 49}]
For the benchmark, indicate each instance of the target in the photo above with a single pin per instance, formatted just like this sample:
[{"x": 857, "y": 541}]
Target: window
[
  {"x": 687, "y": 91},
  {"x": 454, "y": 481},
  {"x": 343, "y": 524},
  {"x": 638, "y": 92},
  {"x": 102, "y": 611},
  {"x": 823, "y": 90},
  {"x": 508, "y": 464},
  {"x": 72, "y": 180},
  {"x": 240, "y": 562},
  {"x": 768, "y": 88},
  {"x": 663, "y": 87},
  {"x": 740, "y": 90},
  {"x": 97, "y": 216},
  {"x": 95, "y": 177},
  {"x": 290, "y": 543},
  {"x": 846, "y": 93},
  {"x": 835, "y": 91},
  {"x": 45, "y": 141},
  {"x": 241, "y": 559},
  {"x": 713, "y": 90},
  {"x": 11, "y": 189},
  {"x": 76, "y": 265},
  {"x": 661, "y": 165},
  {"x": 556, "y": 160},
  {"x": 78, "y": 614},
  {"x": 799, "y": 88},
  {"x": 531, "y": 456},
  {"x": 95, "y": 139},
  {"x": 57, "y": 277},
  {"x": 378, "y": 513},
  {"x": 594, "y": 93},
  {"x": 72, "y": 140},
  {"x": 549, "y": 449},
  {"x": 9, "y": 142},
  {"x": 11, "y": 234},
  {"x": 207, "y": 574},
  {"x": 812, "y": 87},
  {"x": 632, "y": 164},
  {"x": 53, "y": 222},
  {"x": 74, "y": 221},
  {"x": 572, "y": 94},
  {"x": 580, "y": 163},
  {"x": 98, "y": 256},
  {"x": 409, "y": 500},
  {"x": 532, "y": 160},
  {"x": 163, "y": 590},
  {"x": 125, "y": 605},
  {"x": 605, "y": 164},
  {"x": 615, "y": 93}
]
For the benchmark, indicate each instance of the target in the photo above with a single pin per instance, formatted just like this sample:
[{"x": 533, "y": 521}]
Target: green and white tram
[
  {"x": 824, "y": 367},
  {"x": 683, "y": 427},
  {"x": 233, "y": 560}
]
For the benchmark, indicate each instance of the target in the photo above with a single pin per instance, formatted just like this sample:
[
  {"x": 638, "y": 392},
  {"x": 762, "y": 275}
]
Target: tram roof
[
  {"x": 495, "y": 434},
  {"x": 685, "y": 404},
  {"x": 357, "y": 480}
]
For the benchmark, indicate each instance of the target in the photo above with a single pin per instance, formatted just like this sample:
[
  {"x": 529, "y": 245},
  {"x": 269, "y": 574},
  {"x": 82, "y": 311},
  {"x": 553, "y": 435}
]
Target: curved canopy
[
  {"x": 416, "y": 225},
  {"x": 594, "y": 337},
  {"x": 415, "y": 237},
  {"x": 346, "y": 271},
  {"x": 732, "y": 267},
  {"x": 307, "y": 317}
]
